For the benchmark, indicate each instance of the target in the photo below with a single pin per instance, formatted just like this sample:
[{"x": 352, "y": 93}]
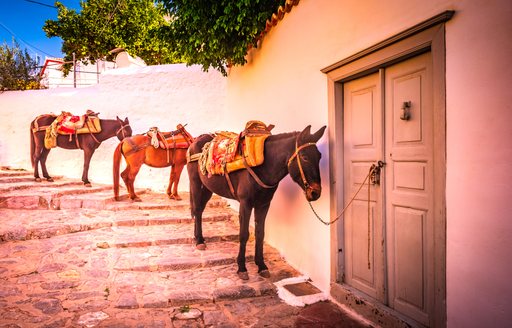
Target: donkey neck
[
  {"x": 279, "y": 148},
  {"x": 108, "y": 129}
]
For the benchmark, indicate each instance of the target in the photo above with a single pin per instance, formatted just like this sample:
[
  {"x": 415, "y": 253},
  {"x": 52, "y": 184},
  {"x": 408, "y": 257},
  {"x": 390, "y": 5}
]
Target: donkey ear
[
  {"x": 126, "y": 120},
  {"x": 304, "y": 135},
  {"x": 117, "y": 117},
  {"x": 318, "y": 134}
]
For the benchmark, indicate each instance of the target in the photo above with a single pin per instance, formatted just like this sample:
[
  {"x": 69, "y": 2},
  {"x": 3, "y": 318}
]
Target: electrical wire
[{"x": 23, "y": 41}]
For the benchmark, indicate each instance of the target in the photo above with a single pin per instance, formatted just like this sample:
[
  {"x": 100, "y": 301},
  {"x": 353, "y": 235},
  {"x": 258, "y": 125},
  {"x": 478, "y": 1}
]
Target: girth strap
[{"x": 256, "y": 178}]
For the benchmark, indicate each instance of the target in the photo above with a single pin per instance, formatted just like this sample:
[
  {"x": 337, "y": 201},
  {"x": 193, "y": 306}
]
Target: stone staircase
[{"x": 70, "y": 253}]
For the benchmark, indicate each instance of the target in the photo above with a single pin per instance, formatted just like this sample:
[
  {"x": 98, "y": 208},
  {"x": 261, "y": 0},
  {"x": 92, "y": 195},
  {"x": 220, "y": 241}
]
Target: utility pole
[{"x": 74, "y": 70}]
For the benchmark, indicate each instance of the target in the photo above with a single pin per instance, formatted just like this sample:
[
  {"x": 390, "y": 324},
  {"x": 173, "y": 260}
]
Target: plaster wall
[
  {"x": 161, "y": 96},
  {"x": 282, "y": 84}
]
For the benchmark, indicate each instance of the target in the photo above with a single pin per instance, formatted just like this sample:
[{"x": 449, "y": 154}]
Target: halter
[
  {"x": 296, "y": 155},
  {"x": 121, "y": 129}
]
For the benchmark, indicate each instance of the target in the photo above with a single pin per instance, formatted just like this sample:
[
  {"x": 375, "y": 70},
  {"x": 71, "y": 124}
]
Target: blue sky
[{"x": 24, "y": 20}]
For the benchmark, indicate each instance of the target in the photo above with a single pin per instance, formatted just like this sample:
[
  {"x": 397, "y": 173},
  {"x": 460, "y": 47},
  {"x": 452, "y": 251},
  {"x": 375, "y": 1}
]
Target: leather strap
[
  {"x": 253, "y": 174},
  {"x": 228, "y": 179}
]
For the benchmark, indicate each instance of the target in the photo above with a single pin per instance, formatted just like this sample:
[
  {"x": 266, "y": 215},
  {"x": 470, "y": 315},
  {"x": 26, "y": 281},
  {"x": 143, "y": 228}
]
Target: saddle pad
[
  {"x": 70, "y": 124},
  {"x": 220, "y": 155},
  {"x": 216, "y": 153}
]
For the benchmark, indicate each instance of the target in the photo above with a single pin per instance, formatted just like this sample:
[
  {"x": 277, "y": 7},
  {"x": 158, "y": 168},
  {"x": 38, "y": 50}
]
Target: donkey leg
[
  {"x": 199, "y": 197},
  {"x": 244, "y": 217},
  {"x": 174, "y": 181},
  {"x": 260, "y": 214},
  {"x": 44, "y": 156},
  {"x": 87, "y": 160},
  {"x": 128, "y": 176},
  {"x": 37, "y": 158}
]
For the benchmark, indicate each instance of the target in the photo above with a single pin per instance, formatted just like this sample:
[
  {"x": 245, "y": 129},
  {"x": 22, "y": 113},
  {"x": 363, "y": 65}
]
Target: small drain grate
[{"x": 302, "y": 289}]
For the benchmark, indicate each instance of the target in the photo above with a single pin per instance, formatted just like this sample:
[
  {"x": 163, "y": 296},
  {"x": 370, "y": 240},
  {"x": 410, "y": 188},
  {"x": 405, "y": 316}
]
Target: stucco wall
[
  {"x": 160, "y": 96},
  {"x": 282, "y": 84}
]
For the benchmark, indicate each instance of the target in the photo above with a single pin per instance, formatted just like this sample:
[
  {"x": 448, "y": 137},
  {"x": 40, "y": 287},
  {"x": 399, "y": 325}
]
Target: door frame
[{"x": 428, "y": 36}]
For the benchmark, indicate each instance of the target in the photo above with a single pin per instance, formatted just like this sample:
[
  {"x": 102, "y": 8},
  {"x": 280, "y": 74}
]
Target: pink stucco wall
[{"x": 282, "y": 84}]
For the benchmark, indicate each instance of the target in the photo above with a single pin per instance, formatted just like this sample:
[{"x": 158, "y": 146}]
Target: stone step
[
  {"x": 144, "y": 236},
  {"x": 196, "y": 285},
  {"x": 24, "y": 225},
  {"x": 17, "y": 187},
  {"x": 44, "y": 197},
  {"x": 5, "y": 179},
  {"x": 6, "y": 171},
  {"x": 72, "y": 269},
  {"x": 160, "y": 201}
]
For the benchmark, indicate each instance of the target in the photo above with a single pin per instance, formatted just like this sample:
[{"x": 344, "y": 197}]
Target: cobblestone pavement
[{"x": 72, "y": 257}]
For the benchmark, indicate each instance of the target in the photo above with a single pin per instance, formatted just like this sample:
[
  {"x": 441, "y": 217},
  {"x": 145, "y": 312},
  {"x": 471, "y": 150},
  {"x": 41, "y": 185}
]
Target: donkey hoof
[
  {"x": 201, "y": 247},
  {"x": 87, "y": 184},
  {"x": 49, "y": 179},
  {"x": 243, "y": 275},
  {"x": 136, "y": 199},
  {"x": 37, "y": 180},
  {"x": 175, "y": 197},
  {"x": 264, "y": 273}
]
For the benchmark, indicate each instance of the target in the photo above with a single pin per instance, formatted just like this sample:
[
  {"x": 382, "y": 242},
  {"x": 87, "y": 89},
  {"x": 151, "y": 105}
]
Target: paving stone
[
  {"x": 49, "y": 306},
  {"x": 80, "y": 259},
  {"x": 127, "y": 301}
]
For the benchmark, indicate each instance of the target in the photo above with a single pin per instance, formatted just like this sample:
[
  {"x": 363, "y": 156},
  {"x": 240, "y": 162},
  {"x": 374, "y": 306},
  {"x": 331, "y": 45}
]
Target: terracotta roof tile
[{"x": 276, "y": 17}]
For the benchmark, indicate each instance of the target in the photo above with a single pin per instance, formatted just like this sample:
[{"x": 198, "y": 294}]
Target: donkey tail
[
  {"x": 117, "y": 163},
  {"x": 32, "y": 144}
]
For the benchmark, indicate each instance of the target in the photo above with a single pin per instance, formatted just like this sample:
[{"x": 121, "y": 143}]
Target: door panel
[{"x": 363, "y": 219}]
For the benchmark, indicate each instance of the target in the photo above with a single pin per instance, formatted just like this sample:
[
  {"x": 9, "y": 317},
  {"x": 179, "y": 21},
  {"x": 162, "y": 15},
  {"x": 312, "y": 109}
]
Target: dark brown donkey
[
  {"x": 292, "y": 153},
  {"x": 88, "y": 142},
  {"x": 138, "y": 150}
]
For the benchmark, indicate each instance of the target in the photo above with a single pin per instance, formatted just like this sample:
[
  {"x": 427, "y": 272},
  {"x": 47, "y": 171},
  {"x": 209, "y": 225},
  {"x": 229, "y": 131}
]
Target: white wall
[
  {"x": 282, "y": 84},
  {"x": 160, "y": 96}
]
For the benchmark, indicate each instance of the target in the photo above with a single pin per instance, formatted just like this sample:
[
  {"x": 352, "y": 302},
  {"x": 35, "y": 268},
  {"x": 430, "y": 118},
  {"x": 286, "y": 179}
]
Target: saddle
[
  {"x": 229, "y": 151},
  {"x": 180, "y": 138},
  {"x": 69, "y": 124}
]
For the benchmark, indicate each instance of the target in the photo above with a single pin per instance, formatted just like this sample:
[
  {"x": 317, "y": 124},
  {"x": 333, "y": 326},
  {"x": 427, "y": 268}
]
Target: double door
[{"x": 388, "y": 233}]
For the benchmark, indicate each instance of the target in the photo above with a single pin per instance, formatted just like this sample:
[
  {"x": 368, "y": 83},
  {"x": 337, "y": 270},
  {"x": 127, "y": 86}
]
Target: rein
[
  {"x": 296, "y": 155},
  {"x": 121, "y": 129}
]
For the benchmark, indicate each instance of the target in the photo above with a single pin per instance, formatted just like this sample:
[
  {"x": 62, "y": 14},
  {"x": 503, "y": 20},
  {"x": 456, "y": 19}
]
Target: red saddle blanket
[
  {"x": 67, "y": 123},
  {"x": 229, "y": 151}
]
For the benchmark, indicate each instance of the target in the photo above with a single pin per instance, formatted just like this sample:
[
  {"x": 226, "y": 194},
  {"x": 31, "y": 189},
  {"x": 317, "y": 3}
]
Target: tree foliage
[
  {"x": 216, "y": 33},
  {"x": 211, "y": 33},
  {"x": 103, "y": 25},
  {"x": 18, "y": 71}
]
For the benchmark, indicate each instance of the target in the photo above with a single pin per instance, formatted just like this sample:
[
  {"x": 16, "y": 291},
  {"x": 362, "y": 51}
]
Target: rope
[
  {"x": 372, "y": 168},
  {"x": 327, "y": 223}
]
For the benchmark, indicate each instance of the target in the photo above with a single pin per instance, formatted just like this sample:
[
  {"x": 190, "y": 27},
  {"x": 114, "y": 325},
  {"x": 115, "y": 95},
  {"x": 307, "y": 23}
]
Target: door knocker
[
  {"x": 405, "y": 114},
  {"x": 375, "y": 175}
]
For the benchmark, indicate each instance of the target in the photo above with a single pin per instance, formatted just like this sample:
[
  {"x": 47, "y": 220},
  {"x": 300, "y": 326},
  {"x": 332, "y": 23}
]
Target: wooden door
[{"x": 389, "y": 240}]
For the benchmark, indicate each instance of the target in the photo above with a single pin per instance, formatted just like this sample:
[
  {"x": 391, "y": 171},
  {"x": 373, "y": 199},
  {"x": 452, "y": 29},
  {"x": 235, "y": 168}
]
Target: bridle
[
  {"x": 121, "y": 129},
  {"x": 296, "y": 154}
]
